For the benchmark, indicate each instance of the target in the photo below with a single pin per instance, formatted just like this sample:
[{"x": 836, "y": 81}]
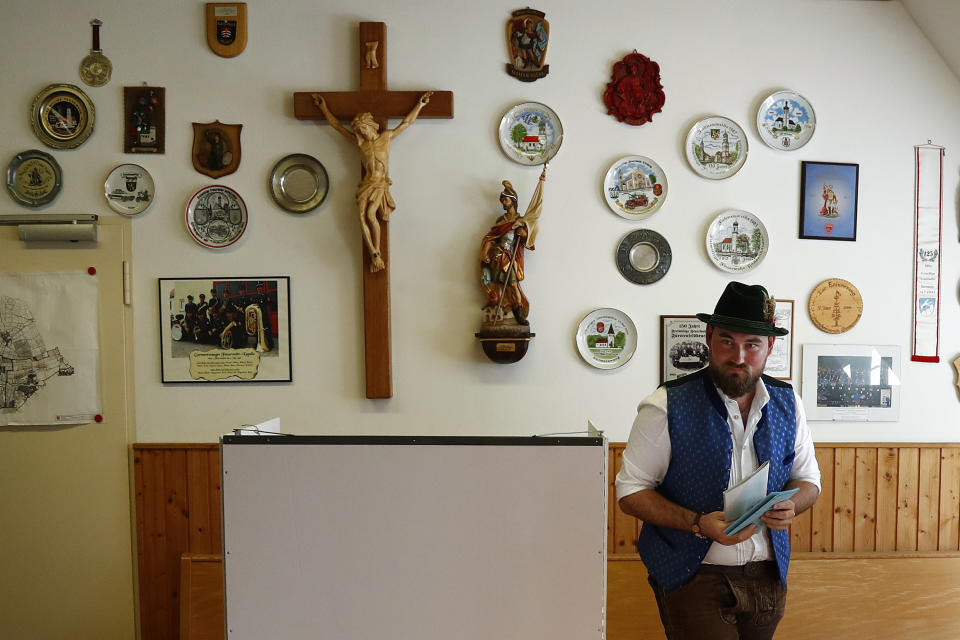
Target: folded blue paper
[{"x": 754, "y": 513}]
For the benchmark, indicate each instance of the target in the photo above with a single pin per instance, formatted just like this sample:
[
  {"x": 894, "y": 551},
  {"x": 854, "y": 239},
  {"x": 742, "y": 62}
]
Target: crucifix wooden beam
[{"x": 373, "y": 97}]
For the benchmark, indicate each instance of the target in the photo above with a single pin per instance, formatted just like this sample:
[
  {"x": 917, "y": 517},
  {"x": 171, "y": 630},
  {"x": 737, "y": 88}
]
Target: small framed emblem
[
  {"x": 527, "y": 37},
  {"x": 34, "y": 178},
  {"x": 216, "y": 148},
  {"x": 62, "y": 116},
  {"x": 227, "y": 28},
  {"x": 828, "y": 200},
  {"x": 144, "y": 111}
]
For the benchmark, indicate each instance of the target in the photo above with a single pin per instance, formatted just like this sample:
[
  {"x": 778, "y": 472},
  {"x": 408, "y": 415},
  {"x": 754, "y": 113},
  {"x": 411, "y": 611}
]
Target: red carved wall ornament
[{"x": 634, "y": 93}]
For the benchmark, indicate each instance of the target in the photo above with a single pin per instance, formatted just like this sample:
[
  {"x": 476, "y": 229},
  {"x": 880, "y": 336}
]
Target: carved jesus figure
[{"x": 373, "y": 192}]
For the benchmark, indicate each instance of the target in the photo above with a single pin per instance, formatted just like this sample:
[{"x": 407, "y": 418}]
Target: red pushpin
[
  {"x": 98, "y": 417},
  {"x": 92, "y": 271}
]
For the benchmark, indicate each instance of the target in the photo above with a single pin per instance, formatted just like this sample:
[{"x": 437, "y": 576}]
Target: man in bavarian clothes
[{"x": 693, "y": 438}]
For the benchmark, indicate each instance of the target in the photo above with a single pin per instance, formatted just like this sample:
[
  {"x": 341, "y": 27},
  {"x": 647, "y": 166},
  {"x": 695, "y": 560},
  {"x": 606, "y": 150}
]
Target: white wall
[{"x": 876, "y": 83}]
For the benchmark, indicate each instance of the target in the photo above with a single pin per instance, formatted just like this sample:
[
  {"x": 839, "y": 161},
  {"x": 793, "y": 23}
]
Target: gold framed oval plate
[
  {"x": 62, "y": 116},
  {"x": 298, "y": 183},
  {"x": 835, "y": 306},
  {"x": 34, "y": 178}
]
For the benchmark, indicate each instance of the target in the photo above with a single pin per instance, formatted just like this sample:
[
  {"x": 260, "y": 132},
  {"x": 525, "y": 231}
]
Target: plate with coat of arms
[
  {"x": 530, "y": 133},
  {"x": 216, "y": 216},
  {"x": 635, "y": 187},
  {"x": 786, "y": 121},
  {"x": 716, "y": 147},
  {"x": 737, "y": 241},
  {"x": 129, "y": 189}
]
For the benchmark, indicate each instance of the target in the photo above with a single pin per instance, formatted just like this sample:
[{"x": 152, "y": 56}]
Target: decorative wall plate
[
  {"x": 606, "y": 338},
  {"x": 34, "y": 178},
  {"x": 528, "y": 35},
  {"x": 62, "y": 116},
  {"x": 835, "y": 306},
  {"x": 737, "y": 241},
  {"x": 216, "y": 216},
  {"x": 635, "y": 187},
  {"x": 298, "y": 183},
  {"x": 786, "y": 121},
  {"x": 644, "y": 256},
  {"x": 530, "y": 133},
  {"x": 716, "y": 147},
  {"x": 95, "y": 69},
  {"x": 129, "y": 189}
]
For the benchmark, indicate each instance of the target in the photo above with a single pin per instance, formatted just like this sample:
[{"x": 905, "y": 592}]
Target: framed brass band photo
[
  {"x": 225, "y": 329},
  {"x": 851, "y": 382}
]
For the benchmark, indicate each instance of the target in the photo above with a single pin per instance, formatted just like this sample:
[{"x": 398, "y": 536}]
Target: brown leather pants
[{"x": 724, "y": 603}]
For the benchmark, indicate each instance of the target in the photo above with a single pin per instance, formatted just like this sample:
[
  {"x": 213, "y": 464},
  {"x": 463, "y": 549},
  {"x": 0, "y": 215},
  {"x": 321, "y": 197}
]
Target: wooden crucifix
[{"x": 374, "y": 98}]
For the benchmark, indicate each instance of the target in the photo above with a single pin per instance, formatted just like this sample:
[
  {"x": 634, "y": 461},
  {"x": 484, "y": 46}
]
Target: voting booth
[{"x": 358, "y": 538}]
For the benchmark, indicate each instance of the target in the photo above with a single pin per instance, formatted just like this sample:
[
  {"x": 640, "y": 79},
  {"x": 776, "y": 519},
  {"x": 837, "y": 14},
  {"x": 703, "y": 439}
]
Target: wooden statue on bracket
[
  {"x": 527, "y": 37},
  {"x": 373, "y": 193},
  {"x": 505, "y": 330}
]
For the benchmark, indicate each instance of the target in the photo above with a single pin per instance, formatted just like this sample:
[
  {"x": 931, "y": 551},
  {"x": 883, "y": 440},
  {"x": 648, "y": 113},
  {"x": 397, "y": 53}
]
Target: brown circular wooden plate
[{"x": 835, "y": 306}]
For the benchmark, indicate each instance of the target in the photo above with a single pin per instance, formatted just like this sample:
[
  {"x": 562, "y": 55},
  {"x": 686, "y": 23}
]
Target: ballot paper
[
  {"x": 739, "y": 499},
  {"x": 756, "y": 512}
]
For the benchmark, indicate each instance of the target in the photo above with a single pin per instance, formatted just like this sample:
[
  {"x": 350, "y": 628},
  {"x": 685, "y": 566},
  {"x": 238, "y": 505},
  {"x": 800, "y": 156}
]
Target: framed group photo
[
  {"x": 828, "y": 200},
  {"x": 851, "y": 382},
  {"x": 225, "y": 329}
]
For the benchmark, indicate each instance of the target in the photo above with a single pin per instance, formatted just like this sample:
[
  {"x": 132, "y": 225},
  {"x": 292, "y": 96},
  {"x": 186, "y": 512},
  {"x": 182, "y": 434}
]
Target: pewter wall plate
[
  {"x": 62, "y": 116},
  {"x": 34, "y": 178},
  {"x": 786, "y": 121},
  {"x": 129, "y": 189},
  {"x": 216, "y": 216},
  {"x": 644, "y": 256},
  {"x": 530, "y": 133},
  {"x": 298, "y": 183},
  {"x": 635, "y": 187},
  {"x": 716, "y": 147},
  {"x": 606, "y": 338},
  {"x": 737, "y": 241}
]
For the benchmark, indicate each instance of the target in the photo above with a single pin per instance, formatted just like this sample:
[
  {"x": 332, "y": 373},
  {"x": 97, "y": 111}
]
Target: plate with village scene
[
  {"x": 530, "y": 133},
  {"x": 606, "y": 338},
  {"x": 716, "y": 147},
  {"x": 737, "y": 241},
  {"x": 635, "y": 187},
  {"x": 129, "y": 189},
  {"x": 786, "y": 121},
  {"x": 216, "y": 216}
]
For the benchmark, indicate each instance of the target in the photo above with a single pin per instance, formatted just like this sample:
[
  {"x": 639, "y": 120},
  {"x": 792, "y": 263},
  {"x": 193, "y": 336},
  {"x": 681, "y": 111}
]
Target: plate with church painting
[
  {"x": 635, "y": 187},
  {"x": 606, "y": 338},
  {"x": 716, "y": 147},
  {"x": 530, "y": 133},
  {"x": 786, "y": 121},
  {"x": 216, "y": 216},
  {"x": 737, "y": 241}
]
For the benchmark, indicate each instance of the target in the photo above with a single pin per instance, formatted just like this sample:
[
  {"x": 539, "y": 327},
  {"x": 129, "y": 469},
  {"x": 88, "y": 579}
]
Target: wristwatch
[{"x": 696, "y": 527}]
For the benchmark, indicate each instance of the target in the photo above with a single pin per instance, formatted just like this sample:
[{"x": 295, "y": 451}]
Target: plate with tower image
[
  {"x": 716, "y": 147},
  {"x": 530, "y": 133},
  {"x": 737, "y": 241},
  {"x": 786, "y": 121},
  {"x": 606, "y": 338}
]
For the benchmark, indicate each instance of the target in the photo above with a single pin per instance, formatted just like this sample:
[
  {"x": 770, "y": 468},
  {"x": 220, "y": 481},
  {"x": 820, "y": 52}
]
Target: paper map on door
[{"x": 49, "y": 361}]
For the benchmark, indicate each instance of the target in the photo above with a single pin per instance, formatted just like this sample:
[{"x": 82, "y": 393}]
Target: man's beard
[{"x": 734, "y": 385}]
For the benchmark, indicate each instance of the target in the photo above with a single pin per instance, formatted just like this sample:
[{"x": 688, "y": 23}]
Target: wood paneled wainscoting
[{"x": 880, "y": 549}]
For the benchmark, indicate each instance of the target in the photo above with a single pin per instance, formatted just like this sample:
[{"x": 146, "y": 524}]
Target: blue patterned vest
[{"x": 699, "y": 470}]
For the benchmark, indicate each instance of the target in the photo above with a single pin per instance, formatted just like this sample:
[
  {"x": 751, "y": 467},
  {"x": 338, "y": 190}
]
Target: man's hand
[
  {"x": 713, "y": 524},
  {"x": 780, "y": 515}
]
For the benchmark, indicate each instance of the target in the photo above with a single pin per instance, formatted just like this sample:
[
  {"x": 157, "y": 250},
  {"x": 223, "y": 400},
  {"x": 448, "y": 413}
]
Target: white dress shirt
[{"x": 647, "y": 457}]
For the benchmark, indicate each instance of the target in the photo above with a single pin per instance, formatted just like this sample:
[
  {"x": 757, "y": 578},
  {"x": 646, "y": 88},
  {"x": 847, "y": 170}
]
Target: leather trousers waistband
[{"x": 763, "y": 567}]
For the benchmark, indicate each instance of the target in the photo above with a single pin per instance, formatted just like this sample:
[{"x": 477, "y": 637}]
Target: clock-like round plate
[
  {"x": 606, "y": 338},
  {"x": 34, "y": 178},
  {"x": 716, "y": 147},
  {"x": 786, "y": 121},
  {"x": 835, "y": 306},
  {"x": 530, "y": 133},
  {"x": 644, "y": 256},
  {"x": 216, "y": 216},
  {"x": 737, "y": 241},
  {"x": 62, "y": 116},
  {"x": 635, "y": 187},
  {"x": 298, "y": 183},
  {"x": 129, "y": 189}
]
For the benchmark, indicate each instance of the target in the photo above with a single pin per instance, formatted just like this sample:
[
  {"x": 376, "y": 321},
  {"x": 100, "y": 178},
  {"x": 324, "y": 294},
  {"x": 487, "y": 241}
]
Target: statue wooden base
[{"x": 505, "y": 343}]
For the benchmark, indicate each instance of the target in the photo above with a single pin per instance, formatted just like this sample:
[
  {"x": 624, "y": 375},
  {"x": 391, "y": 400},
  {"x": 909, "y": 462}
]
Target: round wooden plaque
[{"x": 835, "y": 306}]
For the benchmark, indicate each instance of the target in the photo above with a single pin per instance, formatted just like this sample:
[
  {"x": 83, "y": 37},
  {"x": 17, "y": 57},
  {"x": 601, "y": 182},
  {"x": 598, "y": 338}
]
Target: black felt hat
[{"x": 747, "y": 308}]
